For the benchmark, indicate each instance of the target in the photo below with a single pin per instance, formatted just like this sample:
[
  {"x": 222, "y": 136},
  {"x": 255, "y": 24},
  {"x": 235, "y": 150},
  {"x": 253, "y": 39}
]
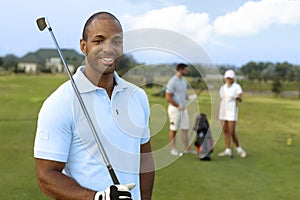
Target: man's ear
[{"x": 83, "y": 46}]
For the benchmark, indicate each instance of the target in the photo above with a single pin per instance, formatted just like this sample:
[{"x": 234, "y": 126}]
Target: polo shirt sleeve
[
  {"x": 53, "y": 135},
  {"x": 170, "y": 86},
  {"x": 238, "y": 89},
  {"x": 146, "y": 108}
]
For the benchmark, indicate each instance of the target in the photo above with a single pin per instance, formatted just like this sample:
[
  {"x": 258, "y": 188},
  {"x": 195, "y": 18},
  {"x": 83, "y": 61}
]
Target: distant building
[{"x": 48, "y": 60}]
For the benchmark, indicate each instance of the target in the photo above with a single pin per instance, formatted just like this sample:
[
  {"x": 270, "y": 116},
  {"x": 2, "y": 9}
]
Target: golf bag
[{"x": 204, "y": 141}]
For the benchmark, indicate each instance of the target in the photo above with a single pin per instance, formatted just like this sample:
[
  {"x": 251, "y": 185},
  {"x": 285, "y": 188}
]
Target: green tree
[
  {"x": 276, "y": 86},
  {"x": 282, "y": 70},
  {"x": 224, "y": 68},
  {"x": 10, "y": 62},
  {"x": 297, "y": 78},
  {"x": 127, "y": 62},
  {"x": 253, "y": 70},
  {"x": 269, "y": 72},
  {"x": 195, "y": 70}
]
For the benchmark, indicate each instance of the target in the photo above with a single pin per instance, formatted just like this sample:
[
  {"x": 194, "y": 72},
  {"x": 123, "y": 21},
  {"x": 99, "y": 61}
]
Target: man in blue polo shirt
[
  {"x": 69, "y": 164},
  {"x": 176, "y": 95}
]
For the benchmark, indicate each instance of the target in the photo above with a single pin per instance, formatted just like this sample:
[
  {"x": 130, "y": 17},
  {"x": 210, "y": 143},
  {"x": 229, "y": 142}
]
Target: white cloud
[
  {"x": 254, "y": 17},
  {"x": 175, "y": 18}
]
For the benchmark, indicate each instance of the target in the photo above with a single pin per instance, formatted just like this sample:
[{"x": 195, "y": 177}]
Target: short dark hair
[
  {"x": 181, "y": 66},
  {"x": 98, "y": 14}
]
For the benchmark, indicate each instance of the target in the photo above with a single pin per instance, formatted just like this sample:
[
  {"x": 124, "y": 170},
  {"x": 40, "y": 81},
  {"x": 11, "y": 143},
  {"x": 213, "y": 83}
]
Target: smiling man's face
[{"x": 103, "y": 46}]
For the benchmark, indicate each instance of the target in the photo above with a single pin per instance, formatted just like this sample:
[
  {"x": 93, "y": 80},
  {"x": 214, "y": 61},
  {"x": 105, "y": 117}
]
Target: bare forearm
[
  {"x": 171, "y": 100},
  {"x": 146, "y": 184},
  {"x": 239, "y": 98},
  {"x": 62, "y": 187},
  {"x": 147, "y": 172},
  {"x": 55, "y": 184}
]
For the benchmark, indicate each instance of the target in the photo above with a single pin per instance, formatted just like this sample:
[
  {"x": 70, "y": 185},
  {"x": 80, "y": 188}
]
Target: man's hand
[
  {"x": 181, "y": 108},
  {"x": 115, "y": 192}
]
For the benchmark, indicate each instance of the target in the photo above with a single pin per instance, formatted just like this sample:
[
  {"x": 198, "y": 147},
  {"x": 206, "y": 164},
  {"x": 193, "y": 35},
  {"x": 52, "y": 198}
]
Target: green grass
[
  {"x": 20, "y": 100},
  {"x": 271, "y": 170}
]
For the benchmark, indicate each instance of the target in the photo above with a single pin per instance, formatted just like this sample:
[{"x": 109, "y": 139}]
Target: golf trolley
[{"x": 204, "y": 141}]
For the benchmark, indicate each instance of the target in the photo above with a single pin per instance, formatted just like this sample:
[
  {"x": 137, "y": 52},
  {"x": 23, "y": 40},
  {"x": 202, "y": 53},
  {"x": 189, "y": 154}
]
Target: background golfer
[
  {"x": 176, "y": 95},
  {"x": 230, "y": 95}
]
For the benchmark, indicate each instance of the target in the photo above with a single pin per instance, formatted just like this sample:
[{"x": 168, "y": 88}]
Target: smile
[{"x": 107, "y": 60}]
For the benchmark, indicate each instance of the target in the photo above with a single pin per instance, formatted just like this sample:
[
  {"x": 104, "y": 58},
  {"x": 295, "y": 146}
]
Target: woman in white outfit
[{"x": 230, "y": 95}]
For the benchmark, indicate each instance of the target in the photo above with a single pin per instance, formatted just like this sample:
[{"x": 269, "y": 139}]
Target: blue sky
[{"x": 230, "y": 32}]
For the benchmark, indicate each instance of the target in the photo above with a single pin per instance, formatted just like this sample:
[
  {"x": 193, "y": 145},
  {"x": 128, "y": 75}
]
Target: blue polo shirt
[
  {"x": 178, "y": 87},
  {"x": 121, "y": 122}
]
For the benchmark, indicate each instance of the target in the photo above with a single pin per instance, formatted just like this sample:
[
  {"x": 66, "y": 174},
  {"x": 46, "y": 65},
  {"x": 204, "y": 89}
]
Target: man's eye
[
  {"x": 117, "y": 42},
  {"x": 98, "y": 41}
]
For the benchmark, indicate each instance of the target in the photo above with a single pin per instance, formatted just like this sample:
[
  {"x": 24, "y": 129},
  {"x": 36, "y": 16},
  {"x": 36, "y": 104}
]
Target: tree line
[
  {"x": 261, "y": 71},
  {"x": 265, "y": 71},
  {"x": 10, "y": 63}
]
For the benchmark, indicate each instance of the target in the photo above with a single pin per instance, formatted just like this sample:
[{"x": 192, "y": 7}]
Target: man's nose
[{"x": 107, "y": 46}]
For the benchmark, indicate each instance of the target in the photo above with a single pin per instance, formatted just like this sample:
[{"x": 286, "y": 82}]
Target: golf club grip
[{"x": 113, "y": 175}]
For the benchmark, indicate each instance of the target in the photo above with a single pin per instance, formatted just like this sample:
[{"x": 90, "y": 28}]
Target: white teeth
[{"x": 108, "y": 59}]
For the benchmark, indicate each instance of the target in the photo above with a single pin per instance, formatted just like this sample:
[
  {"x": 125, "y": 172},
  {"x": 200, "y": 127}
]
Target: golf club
[
  {"x": 42, "y": 23},
  {"x": 193, "y": 97}
]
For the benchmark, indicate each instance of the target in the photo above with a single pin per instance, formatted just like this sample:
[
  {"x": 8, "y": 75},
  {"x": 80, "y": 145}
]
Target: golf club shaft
[{"x": 99, "y": 144}]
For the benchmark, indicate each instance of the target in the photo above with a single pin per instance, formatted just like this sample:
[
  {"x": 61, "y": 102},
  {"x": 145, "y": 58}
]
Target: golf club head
[{"x": 42, "y": 23}]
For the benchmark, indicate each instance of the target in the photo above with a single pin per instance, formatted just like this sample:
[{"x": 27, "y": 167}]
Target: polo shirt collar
[{"x": 84, "y": 85}]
